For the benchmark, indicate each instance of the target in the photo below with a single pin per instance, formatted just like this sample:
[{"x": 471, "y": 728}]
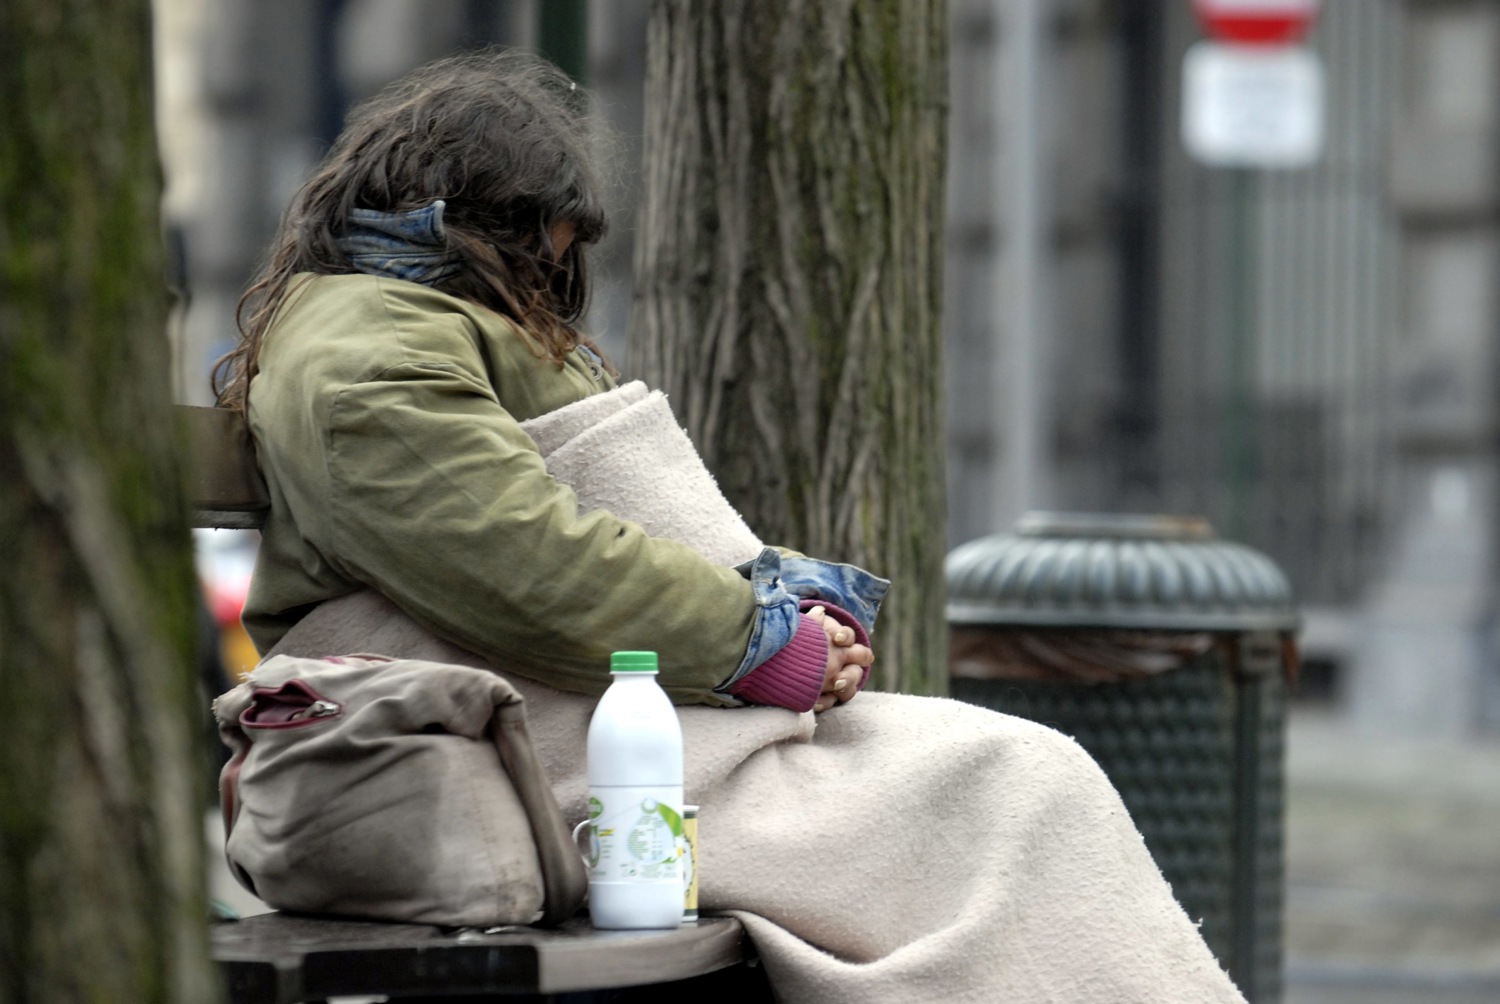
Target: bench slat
[
  {"x": 225, "y": 488},
  {"x": 280, "y": 959}
]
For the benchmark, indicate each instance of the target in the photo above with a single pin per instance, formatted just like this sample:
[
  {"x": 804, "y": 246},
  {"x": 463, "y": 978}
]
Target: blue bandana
[{"x": 412, "y": 245}]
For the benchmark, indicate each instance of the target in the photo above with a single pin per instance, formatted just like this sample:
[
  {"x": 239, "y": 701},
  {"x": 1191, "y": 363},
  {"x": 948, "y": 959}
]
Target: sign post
[{"x": 1252, "y": 99}]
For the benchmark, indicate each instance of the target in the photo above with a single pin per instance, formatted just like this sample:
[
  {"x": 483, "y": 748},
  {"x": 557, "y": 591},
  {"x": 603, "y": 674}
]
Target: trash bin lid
[{"x": 1103, "y": 570}]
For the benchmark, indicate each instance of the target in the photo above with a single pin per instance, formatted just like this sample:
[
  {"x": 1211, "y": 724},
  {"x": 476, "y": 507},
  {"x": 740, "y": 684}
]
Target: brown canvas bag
[{"x": 392, "y": 789}]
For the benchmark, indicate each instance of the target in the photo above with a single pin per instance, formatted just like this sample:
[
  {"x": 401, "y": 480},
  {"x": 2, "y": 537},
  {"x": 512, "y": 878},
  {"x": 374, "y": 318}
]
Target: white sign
[{"x": 1252, "y": 106}]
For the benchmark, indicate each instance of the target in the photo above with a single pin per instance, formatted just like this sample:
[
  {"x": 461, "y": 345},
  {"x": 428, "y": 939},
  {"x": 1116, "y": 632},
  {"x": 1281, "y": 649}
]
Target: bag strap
[{"x": 564, "y": 880}]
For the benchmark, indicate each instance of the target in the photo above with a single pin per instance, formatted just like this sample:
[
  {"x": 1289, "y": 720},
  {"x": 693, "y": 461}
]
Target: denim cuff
[
  {"x": 847, "y": 586},
  {"x": 781, "y": 582}
]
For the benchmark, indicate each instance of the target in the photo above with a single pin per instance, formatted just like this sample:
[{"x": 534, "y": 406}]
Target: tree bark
[
  {"x": 788, "y": 281},
  {"x": 101, "y": 887}
]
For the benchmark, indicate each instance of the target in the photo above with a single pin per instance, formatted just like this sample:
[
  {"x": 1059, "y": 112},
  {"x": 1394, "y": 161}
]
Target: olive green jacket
[{"x": 385, "y": 417}]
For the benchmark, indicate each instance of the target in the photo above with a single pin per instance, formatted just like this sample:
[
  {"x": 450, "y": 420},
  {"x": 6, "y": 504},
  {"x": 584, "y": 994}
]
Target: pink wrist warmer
[{"x": 793, "y": 677}]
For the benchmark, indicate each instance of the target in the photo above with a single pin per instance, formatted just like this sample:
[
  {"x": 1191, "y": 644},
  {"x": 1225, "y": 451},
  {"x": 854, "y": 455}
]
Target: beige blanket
[
  {"x": 624, "y": 452},
  {"x": 895, "y": 848}
]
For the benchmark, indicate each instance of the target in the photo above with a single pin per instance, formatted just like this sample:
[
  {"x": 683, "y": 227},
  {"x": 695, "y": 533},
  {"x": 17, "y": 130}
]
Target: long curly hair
[{"x": 503, "y": 138}]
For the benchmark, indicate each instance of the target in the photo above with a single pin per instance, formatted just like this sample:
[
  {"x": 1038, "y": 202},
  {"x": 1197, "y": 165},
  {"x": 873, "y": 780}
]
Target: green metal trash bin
[{"x": 1166, "y": 653}]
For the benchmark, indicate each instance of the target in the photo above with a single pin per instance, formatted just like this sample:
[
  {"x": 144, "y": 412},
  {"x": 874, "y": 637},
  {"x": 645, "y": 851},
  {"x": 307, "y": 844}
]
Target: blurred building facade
[{"x": 1304, "y": 357}]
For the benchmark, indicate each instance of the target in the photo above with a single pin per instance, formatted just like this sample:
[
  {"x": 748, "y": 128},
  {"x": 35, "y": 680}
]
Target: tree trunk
[
  {"x": 788, "y": 281},
  {"x": 101, "y": 888}
]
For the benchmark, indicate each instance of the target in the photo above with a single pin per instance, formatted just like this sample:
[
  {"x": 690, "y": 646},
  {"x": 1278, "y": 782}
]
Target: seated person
[{"x": 420, "y": 301}]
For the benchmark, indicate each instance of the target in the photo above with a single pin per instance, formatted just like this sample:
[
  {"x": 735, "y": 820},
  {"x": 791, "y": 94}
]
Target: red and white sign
[{"x": 1257, "y": 22}]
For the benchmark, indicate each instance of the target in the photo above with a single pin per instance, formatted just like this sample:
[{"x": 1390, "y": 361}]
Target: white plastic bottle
[{"x": 635, "y": 800}]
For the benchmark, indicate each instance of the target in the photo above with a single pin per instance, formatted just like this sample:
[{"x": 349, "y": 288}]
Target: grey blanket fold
[{"x": 893, "y": 849}]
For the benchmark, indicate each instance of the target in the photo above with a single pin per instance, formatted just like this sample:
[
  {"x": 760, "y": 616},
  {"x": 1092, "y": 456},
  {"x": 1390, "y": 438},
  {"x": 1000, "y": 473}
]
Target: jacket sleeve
[{"x": 440, "y": 501}]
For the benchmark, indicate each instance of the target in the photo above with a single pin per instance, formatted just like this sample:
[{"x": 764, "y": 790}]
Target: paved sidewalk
[{"x": 1393, "y": 868}]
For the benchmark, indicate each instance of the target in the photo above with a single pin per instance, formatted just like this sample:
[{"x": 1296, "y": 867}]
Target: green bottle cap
[{"x": 632, "y": 662}]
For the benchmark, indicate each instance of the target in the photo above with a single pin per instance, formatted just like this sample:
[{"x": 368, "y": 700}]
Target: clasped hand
[{"x": 847, "y": 661}]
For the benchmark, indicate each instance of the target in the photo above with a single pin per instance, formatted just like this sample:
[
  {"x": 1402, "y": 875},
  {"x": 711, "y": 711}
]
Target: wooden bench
[{"x": 281, "y": 959}]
